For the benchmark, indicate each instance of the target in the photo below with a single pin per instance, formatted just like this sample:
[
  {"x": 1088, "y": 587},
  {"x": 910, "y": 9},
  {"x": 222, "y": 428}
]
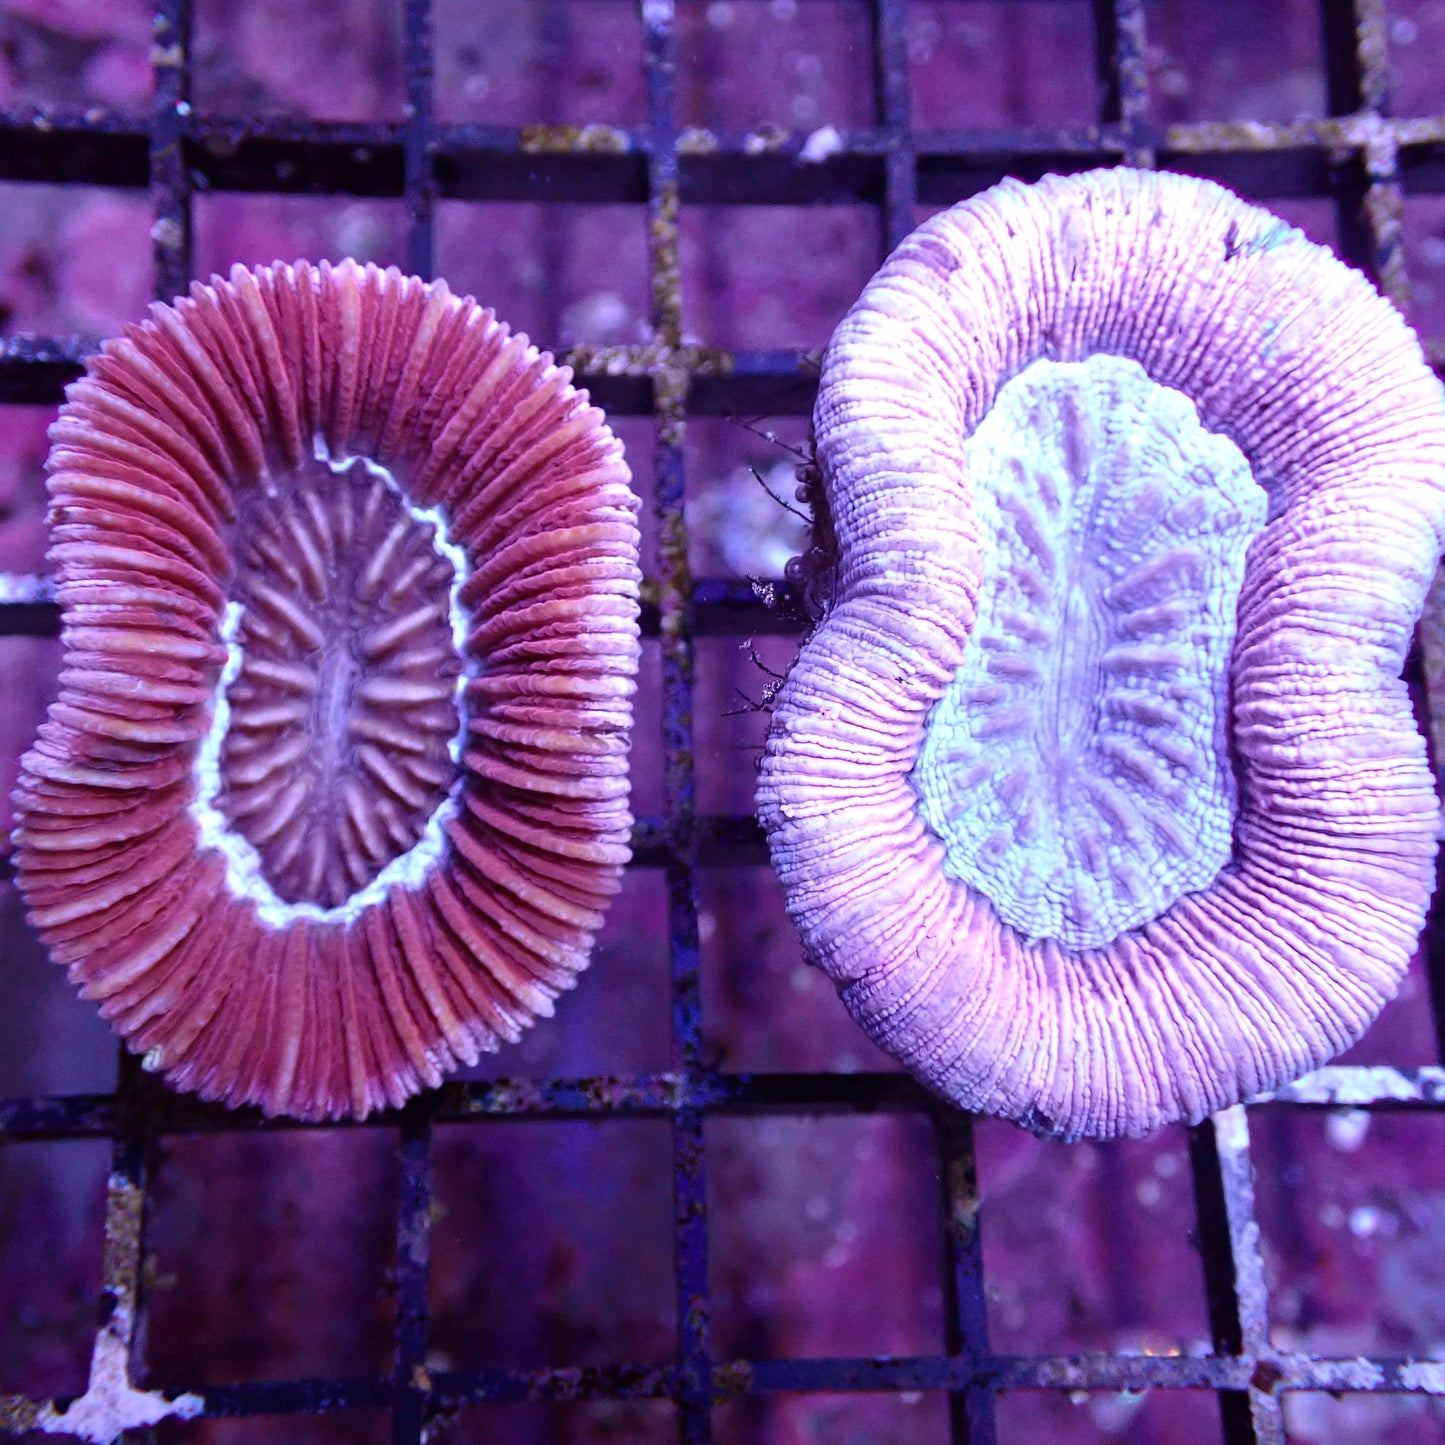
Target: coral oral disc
[
  {"x": 1077, "y": 766},
  {"x": 335, "y": 743}
]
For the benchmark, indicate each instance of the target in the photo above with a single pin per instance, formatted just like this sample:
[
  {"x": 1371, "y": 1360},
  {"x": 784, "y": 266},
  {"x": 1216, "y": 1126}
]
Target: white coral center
[{"x": 1077, "y": 766}]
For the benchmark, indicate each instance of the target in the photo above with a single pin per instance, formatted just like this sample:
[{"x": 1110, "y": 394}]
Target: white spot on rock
[
  {"x": 110, "y": 1404},
  {"x": 1346, "y": 1129},
  {"x": 1426, "y": 1375},
  {"x": 824, "y": 142}
]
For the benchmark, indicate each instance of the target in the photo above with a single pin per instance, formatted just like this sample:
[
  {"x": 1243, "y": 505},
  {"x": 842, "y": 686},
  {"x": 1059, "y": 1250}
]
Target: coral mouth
[{"x": 336, "y": 738}]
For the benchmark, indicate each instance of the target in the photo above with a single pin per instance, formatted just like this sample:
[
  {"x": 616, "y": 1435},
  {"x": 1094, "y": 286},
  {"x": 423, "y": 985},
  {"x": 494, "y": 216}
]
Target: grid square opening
[
  {"x": 743, "y": 515},
  {"x": 916, "y": 1417},
  {"x": 539, "y": 62},
  {"x": 1231, "y": 60},
  {"x": 339, "y": 61},
  {"x": 775, "y": 66},
  {"x": 552, "y": 1245},
  {"x": 23, "y": 538},
  {"x": 1352, "y": 1217},
  {"x": 52, "y": 1237},
  {"x": 311, "y": 1295},
  {"x": 566, "y": 275},
  {"x": 1425, "y": 265},
  {"x": 52, "y": 1042},
  {"x": 255, "y": 230},
  {"x": 1081, "y": 1417},
  {"x": 591, "y": 1422},
  {"x": 344, "y": 1427},
  {"x": 1403, "y": 1036},
  {"x": 73, "y": 259},
  {"x": 638, "y": 435},
  {"x": 731, "y": 711},
  {"x": 1313, "y": 1417},
  {"x": 764, "y": 1008},
  {"x": 1318, "y": 217},
  {"x": 825, "y": 1237},
  {"x": 647, "y": 800},
  {"x": 615, "y": 1022},
  {"x": 75, "y": 57},
  {"x": 1065, "y": 1228},
  {"x": 997, "y": 64},
  {"x": 743, "y": 285},
  {"x": 1415, "y": 36}
]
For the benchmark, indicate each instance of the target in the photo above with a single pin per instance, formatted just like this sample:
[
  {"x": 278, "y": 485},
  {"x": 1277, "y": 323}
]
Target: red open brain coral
[
  {"x": 334, "y": 793},
  {"x": 1097, "y": 790}
]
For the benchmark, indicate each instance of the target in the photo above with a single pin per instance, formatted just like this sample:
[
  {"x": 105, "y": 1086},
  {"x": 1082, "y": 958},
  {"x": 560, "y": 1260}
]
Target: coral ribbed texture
[
  {"x": 192, "y": 480},
  {"x": 1285, "y": 958}
]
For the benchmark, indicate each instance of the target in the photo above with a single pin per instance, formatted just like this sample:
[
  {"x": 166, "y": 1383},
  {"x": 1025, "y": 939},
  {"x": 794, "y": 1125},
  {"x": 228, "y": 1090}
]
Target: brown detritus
[
  {"x": 574, "y": 140},
  {"x": 812, "y": 574},
  {"x": 124, "y": 1219},
  {"x": 766, "y": 140},
  {"x": 664, "y": 247},
  {"x": 18, "y": 1415},
  {"x": 1266, "y": 1376},
  {"x": 648, "y": 359},
  {"x": 732, "y": 1377}
]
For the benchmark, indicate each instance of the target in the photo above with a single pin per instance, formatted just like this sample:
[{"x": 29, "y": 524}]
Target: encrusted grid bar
[
  {"x": 419, "y": 179},
  {"x": 735, "y": 1379},
  {"x": 170, "y": 182},
  {"x": 890, "y": 62},
  {"x": 671, "y": 377},
  {"x": 410, "y": 1380},
  {"x": 1356, "y": 61},
  {"x": 410, "y": 1405},
  {"x": 599, "y": 1097},
  {"x": 1119, "y": 31},
  {"x": 1234, "y": 1275},
  {"x": 965, "y": 1320}
]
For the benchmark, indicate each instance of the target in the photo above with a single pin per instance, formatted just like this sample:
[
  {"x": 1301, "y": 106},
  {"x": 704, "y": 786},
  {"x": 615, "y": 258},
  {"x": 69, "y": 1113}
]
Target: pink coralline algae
[
  {"x": 334, "y": 793},
  {"x": 1097, "y": 790}
]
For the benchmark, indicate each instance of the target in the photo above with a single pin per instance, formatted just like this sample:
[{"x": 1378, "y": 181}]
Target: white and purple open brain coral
[{"x": 1097, "y": 790}]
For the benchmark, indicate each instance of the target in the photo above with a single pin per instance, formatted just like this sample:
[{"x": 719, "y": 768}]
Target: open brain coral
[
  {"x": 335, "y": 790},
  {"x": 1097, "y": 790}
]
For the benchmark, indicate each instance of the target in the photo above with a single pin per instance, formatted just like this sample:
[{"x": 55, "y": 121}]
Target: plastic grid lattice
[{"x": 1359, "y": 156}]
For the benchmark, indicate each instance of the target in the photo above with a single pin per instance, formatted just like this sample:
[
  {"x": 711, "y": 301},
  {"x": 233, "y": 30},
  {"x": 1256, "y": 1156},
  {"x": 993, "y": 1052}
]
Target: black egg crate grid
[{"x": 1360, "y": 157}]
